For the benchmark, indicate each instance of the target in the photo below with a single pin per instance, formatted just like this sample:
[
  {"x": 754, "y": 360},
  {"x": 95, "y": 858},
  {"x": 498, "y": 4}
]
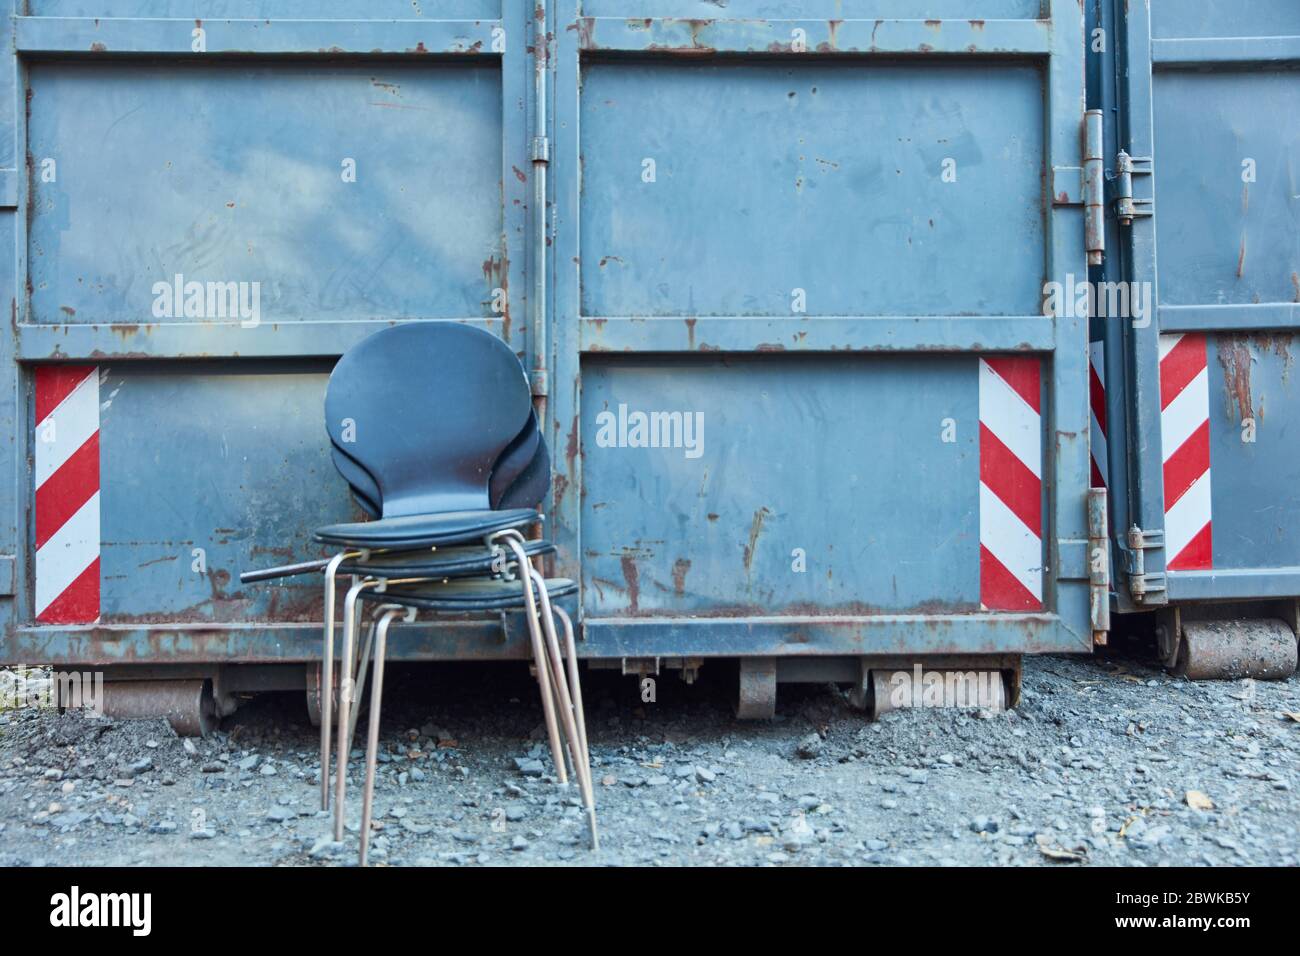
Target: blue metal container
[
  {"x": 1201, "y": 451},
  {"x": 784, "y": 316}
]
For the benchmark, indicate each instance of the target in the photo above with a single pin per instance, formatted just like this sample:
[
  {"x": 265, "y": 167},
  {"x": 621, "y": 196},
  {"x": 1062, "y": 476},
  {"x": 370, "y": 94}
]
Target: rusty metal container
[
  {"x": 1195, "y": 404},
  {"x": 783, "y": 317}
]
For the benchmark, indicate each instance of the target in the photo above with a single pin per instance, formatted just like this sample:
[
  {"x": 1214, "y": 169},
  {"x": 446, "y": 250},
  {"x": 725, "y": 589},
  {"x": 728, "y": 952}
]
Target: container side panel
[
  {"x": 816, "y": 9},
  {"x": 817, "y": 485},
  {"x": 1197, "y": 18},
  {"x": 817, "y": 189},
  {"x": 1227, "y": 173},
  {"x": 313, "y": 192},
  {"x": 207, "y": 471},
  {"x": 272, "y": 9},
  {"x": 1254, "y": 438}
]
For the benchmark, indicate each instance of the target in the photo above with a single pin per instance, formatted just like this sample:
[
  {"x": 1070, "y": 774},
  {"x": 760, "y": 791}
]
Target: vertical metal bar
[
  {"x": 565, "y": 399},
  {"x": 14, "y": 406},
  {"x": 1066, "y": 461},
  {"x": 514, "y": 188},
  {"x": 1142, "y": 378},
  {"x": 540, "y": 160}
]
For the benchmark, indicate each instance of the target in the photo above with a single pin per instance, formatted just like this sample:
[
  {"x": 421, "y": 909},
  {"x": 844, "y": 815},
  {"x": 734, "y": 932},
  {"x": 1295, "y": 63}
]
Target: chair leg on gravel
[
  {"x": 359, "y": 678},
  {"x": 391, "y": 612},
  {"x": 569, "y": 713},
  {"x": 576, "y": 734},
  {"x": 327, "y": 680},
  {"x": 345, "y": 699},
  {"x": 539, "y": 661},
  {"x": 571, "y": 654}
]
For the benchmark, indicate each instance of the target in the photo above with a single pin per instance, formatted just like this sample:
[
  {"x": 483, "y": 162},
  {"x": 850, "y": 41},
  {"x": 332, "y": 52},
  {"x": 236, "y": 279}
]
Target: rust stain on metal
[
  {"x": 690, "y": 333},
  {"x": 680, "y": 569},
  {"x": 1295, "y": 284},
  {"x": 1235, "y": 357},
  {"x": 633, "y": 578},
  {"x": 1241, "y": 258},
  {"x": 755, "y": 529}
]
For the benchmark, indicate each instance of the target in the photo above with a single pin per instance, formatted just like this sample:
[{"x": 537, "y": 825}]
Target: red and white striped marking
[
  {"x": 1097, "y": 402},
  {"x": 1185, "y": 450},
  {"x": 66, "y": 456},
  {"x": 1011, "y": 484}
]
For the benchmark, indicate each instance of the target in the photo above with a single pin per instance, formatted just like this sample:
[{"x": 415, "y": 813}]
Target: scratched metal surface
[
  {"x": 201, "y": 461},
  {"x": 1221, "y": 240},
  {"x": 1255, "y": 485},
  {"x": 862, "y": 224},
  {"x": 1206, "y": 18},
  {"x": 833, "y": 456},
  {"x": 236, "y": 174},
  {"x": 260, "y": 9}
]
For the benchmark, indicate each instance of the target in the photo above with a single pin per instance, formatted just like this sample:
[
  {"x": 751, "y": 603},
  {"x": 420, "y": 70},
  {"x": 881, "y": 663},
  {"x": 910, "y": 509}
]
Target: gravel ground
[{"x": 1106, "y": 761}]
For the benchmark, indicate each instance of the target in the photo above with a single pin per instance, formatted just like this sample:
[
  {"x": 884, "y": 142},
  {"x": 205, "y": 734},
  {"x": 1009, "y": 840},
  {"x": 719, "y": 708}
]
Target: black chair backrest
[
  {"x": 531, "y": 486},
  {"x": 363, "y": 487},
  {"x": 518, "y": 458},
  {"x": 427, "y": 408},
  {"x": 519, "y": 454}
]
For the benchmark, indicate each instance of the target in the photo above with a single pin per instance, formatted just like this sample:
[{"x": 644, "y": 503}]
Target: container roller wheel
[
  {"x": 313, "y": 694},
  {"x": 186, "y": 704},
  {"x": 886, "y": 689},
  {"x": 757, "y": 696},
  {"x": 1263, "y": 649}
]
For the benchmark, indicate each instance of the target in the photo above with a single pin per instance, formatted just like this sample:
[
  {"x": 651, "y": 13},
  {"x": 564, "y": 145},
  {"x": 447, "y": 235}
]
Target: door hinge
[
  {"x": 1126, "y": 207},
  {"x": 1099, "y": 564},
  {"x": 1085, "y": 186},
  {"x": 1094, "y": 202},
  {"x": 541, "y": 149},
  {"x": 1141, "y": 584}
]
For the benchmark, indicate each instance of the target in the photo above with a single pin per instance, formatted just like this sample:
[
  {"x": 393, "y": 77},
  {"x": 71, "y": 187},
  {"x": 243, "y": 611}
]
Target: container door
[
  {"x": 207, "y": 204},
  {"x": 1211, "y": 92},
  {"x": 806, "y": 398}
]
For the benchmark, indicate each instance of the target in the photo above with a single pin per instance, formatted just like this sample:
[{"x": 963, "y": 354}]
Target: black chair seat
[
  {"x": 462, "y": 597},
  {"x": 444, "y": 562},
  {"x": 425, "y": 531}
]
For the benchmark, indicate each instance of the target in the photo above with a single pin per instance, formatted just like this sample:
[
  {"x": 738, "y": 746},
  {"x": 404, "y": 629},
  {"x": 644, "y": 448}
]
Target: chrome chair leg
[
  {"x": 539, "y": 662},
  {"x": 345, "y": 700},
  {"x": 575, "y": 686},
  {"x": 391, "y": 613},
  {"x": 577, "y": 748},
  {"x": 359, "y": 678},
  {"x": 327, "y": 679}
]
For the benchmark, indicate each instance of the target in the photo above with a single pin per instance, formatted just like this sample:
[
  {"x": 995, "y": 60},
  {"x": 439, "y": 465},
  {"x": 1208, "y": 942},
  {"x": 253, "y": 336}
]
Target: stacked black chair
[{"x": 431, "y": 425}]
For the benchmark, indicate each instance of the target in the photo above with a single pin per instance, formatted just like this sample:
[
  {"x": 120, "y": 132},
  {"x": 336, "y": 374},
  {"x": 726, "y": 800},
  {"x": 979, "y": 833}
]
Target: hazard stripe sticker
[
  {"x": 1185, "y": 451},
  {"x": 66, "y": 477},
  {"x": 1011, "y": 486},
  {"x": 1097, "y": 405}
]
